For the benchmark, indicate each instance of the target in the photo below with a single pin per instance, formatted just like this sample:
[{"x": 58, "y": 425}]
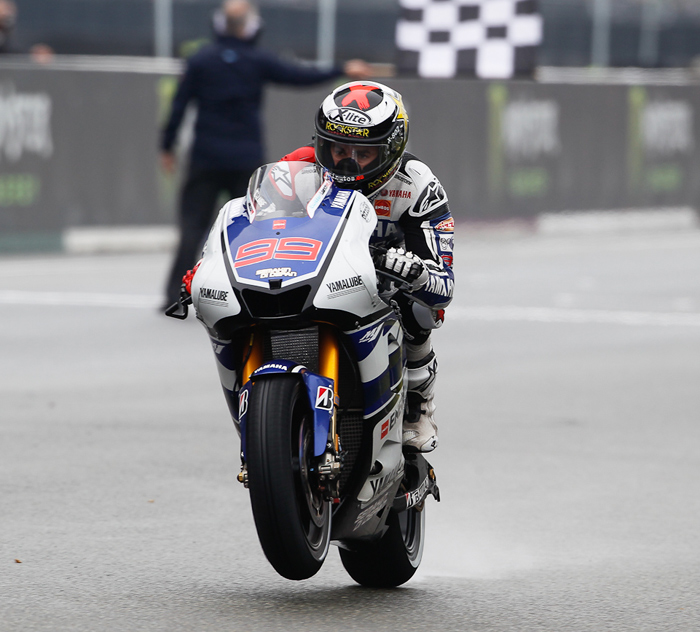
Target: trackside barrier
[{"x": 78, "y": 146}]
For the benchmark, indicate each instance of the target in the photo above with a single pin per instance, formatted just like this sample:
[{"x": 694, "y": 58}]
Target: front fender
[{"x": 319, "y": 389}]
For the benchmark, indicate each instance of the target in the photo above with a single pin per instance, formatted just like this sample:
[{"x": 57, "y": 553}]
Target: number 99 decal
[{"x": 289, "y": 248}]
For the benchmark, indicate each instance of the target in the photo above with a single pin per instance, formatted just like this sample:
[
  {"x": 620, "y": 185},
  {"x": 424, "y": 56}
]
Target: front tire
[
  {"x": 392, "y": 560},
  {"x": 292, "y": 518}
]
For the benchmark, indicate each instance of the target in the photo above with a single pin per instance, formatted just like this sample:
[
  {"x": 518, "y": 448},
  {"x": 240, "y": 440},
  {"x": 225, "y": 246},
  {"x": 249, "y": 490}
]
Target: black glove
[{"x": 402, "y": 270}]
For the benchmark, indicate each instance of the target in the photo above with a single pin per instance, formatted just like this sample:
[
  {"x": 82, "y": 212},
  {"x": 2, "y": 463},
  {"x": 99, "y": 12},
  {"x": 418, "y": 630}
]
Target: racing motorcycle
[{"x": 312, "y": 361}]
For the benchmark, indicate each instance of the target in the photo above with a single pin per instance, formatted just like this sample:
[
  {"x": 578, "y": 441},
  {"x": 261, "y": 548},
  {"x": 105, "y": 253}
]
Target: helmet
[{"x": 361, "y": 117}]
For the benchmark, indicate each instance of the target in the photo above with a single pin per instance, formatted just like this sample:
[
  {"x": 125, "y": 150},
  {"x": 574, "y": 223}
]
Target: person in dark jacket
[
  {"x": 225, "y": 79},
  {"x": 8, "y": 16}
]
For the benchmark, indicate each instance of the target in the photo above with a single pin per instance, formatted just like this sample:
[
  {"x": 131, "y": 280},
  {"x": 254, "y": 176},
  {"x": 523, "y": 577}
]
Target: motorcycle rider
[{"x": 361, "y": 131}]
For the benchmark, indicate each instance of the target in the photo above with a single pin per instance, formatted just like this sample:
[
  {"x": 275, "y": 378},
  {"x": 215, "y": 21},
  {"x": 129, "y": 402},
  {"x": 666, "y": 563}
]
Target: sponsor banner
[
  {"x": 341, "y": 198},
  {"x": 349, "y": 116},
  {"x": 398, "y": 193},
  {"x": 343, "y": 287},
  {"x": 346, "y": 130},
  {"x": 446, "y": 243},
  {"x": 324, "y": 398},
  {"x": 243, "y": 402},
  {"x": 270, "y": 273},
  {"x": 527, "y": 148},
  {"x": 79, "y": 148},
  {"x": 382, "y": 208},
  {"x": 384, "y": 430},
  {"x": 213, "y": 296},
  {"x": 446, "y": 225}
]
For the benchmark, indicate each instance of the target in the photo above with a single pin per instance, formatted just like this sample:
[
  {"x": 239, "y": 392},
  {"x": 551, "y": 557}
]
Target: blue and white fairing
[{"x": 296, "y": 228}]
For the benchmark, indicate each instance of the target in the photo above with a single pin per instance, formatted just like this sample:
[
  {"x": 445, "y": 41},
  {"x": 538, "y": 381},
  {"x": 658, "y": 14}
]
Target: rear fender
[{"x": 319, "y": 390}]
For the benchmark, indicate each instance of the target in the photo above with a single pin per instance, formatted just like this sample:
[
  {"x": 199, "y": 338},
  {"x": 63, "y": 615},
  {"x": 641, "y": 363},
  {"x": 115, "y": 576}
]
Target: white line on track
[
  {"x": 575, "y": 316},
  {"x": 485, "y": 313},
  {"x": 79, "y": 299}
]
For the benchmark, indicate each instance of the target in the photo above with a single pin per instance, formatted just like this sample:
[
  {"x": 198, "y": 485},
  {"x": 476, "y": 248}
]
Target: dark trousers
[{"x": 199, "y": 196}]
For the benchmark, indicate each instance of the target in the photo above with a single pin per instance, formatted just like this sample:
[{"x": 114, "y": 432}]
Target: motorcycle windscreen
[
  {"x": 285, "y": 189},
  {"x": 293, "y": 215}
]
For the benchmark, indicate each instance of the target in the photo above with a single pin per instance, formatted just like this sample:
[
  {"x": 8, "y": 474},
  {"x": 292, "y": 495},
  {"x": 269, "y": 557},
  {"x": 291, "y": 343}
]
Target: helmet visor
[{"x": 349, "y": 160}]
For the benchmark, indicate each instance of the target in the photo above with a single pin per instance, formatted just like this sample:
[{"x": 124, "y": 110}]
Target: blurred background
[
  {"x": 603, "y": 118},
  {"x": 646, "y": 33},
  {"x": 570, "y": 360}
]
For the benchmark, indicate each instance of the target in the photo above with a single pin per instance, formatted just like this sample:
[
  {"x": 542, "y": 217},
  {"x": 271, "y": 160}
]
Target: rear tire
[
  {"x": 392, "y": 560},
  {"x": 292, "y": 518}
]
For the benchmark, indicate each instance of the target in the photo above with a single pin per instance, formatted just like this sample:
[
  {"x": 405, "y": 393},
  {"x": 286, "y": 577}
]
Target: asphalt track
[{"x": 569, "y": 406}]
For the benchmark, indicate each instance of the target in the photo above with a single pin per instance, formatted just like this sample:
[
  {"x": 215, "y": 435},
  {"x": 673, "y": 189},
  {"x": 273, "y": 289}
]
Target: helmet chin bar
[{"x": 348, "y": 167}]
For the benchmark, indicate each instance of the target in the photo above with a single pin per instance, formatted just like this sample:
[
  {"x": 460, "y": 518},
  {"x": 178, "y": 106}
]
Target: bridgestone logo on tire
[{"x": 324, "y": 398}]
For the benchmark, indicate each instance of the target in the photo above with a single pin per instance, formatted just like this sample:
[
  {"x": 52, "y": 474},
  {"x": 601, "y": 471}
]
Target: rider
[{"x": 361, "y": 135}]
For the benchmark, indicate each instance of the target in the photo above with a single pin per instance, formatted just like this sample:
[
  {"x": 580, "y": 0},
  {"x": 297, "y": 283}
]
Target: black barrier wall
[
  {"x": 79, "y": 148},
  {"x": 517, "y": 149}
]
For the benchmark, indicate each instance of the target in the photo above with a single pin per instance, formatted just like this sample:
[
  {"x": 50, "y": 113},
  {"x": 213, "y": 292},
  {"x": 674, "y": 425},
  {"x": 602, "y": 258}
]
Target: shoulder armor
[{"x": 432, "y": 196}]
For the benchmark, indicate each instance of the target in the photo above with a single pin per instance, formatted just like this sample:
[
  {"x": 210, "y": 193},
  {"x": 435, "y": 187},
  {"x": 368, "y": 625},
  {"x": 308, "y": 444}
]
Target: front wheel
[
  {"x": 392, "y": 560},
  {"x": 292, "y": 518}
]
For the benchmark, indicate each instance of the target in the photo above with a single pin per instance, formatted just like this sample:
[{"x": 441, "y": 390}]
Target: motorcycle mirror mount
[{"x": 320, "y": 195}]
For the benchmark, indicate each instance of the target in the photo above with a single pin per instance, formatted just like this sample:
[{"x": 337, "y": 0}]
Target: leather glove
[{"x": 401, "y": 269}]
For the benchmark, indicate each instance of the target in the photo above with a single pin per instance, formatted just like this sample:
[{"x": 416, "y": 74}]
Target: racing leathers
[{"x": 413, "y": 218}]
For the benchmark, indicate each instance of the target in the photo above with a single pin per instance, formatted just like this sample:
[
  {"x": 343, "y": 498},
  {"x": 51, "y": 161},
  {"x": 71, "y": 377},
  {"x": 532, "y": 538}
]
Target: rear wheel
[
  {"x": 292, "y": 518},
  {"x": 392, "y": 560}
]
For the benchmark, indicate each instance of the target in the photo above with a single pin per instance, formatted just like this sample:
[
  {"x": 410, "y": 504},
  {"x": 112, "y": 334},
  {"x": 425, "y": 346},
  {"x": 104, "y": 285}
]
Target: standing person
[
  {"x": 40, "y": 53},
  {"x": 361, "y": 130},
  {"x": 226, "y": 79},
  {"x": 8, "y": 16}
]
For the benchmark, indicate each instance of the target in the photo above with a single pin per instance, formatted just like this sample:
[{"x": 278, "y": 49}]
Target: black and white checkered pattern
[{"x": 490, "y": 39}]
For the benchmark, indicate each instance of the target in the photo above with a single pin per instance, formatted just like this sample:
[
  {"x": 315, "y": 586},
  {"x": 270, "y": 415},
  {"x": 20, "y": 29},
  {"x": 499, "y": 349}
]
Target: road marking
[
  {"x": 79, "y": 299},
  {"x": 576, "y": 316},
  {"x": 485, "y": 313}
]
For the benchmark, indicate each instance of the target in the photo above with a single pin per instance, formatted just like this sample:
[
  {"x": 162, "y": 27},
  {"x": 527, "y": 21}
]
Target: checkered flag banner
[{"x": 490, "y": 39}]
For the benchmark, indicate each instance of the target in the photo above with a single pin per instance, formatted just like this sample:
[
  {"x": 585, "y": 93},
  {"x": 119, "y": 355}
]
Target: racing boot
[{"x": 420, "y": 432}]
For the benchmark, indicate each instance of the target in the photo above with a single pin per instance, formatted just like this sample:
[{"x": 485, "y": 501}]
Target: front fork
[{"x": 329, "y": 360}]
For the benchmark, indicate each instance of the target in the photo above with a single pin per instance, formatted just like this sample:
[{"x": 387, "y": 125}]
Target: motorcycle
[{"x": 312, "y": 362}]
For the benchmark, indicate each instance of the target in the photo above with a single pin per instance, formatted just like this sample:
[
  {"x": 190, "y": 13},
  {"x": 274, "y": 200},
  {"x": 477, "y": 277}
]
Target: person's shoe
[
  {"x": 420, "y": 432},
  {"x": 419, "y": 428}
]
